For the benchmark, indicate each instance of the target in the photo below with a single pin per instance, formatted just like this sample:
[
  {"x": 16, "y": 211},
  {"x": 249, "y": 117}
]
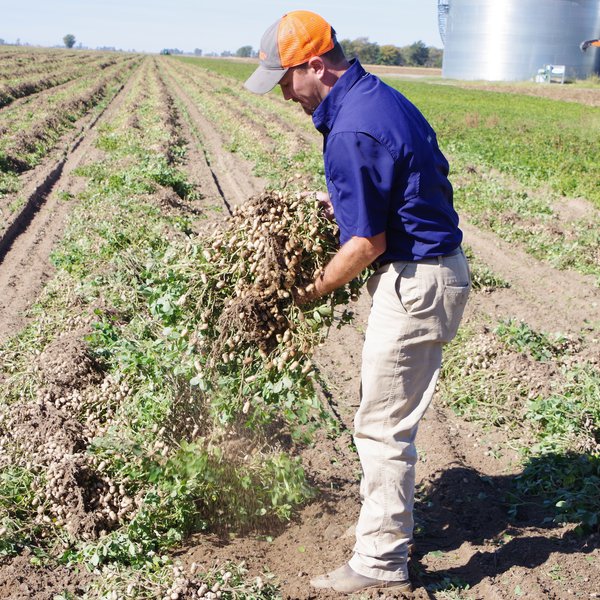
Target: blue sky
[{"x": 215, "y": 26}]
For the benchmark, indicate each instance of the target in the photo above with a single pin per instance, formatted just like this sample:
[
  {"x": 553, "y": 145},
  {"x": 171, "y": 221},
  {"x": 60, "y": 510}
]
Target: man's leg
[
  {"x": 401, "y": 362},
  {"x": 416, "y": 308}
]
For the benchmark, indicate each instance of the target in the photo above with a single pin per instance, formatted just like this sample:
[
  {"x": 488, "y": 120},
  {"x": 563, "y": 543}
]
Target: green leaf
[
  {"x": 325, "y": 310},
  {"x": 199, "y": 381}
]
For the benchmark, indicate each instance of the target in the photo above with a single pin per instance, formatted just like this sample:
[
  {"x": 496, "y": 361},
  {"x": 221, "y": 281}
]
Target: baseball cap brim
[{"x": 263, "y": 80}]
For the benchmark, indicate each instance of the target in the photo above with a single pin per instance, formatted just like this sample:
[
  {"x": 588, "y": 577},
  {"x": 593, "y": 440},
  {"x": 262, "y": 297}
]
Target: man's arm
[{"x": 349, "y": 262}]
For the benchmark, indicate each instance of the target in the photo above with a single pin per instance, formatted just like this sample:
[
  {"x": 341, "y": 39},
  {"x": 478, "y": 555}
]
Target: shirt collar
[{"x": 325, "y": 114}]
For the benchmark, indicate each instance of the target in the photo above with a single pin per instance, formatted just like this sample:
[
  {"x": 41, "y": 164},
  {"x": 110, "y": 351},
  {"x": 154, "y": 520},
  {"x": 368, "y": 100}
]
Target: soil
[
  {"x": 465, "y": 536},
  {"x": 20, "y": 580},
  {"x": 65, "y": 364}
]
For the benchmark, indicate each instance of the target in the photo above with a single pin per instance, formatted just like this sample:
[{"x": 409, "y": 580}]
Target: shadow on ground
[{"x": 512, "y": 527}]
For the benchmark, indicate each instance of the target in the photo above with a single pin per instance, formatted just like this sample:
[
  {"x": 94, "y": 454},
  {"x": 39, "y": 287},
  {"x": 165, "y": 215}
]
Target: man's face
[{"x": 302, "y": 85}]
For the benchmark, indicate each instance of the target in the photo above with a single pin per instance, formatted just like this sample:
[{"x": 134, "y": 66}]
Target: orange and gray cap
[{"x": 290, "y": 41}]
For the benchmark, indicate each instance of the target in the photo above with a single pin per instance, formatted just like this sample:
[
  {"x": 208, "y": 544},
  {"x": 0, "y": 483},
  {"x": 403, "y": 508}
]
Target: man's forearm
[{"x": 349, "y": 262}]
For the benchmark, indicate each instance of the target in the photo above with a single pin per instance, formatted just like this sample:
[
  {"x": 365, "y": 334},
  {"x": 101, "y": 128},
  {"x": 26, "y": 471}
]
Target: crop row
[
  {"x": 25, "y": 83},
  {"x": 14, "y": 119},
  {"x": 558, "y": 417},
  {"x": 30, "y": 132},
  {"x": 540, "y": 142},
  {"x": 48, "y": 63},
  {"x": 24, "y": 112},
  {"x": 251, "y": 134},
  {"x": 270, "y": 106},
  {"x": 25, "y": 64},
  {"x": 533, "y": 219},
  {"x": 24, "y": 56}
]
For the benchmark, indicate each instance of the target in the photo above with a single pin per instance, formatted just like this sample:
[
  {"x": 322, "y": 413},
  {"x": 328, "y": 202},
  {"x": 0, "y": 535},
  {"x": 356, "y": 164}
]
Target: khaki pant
[{"x": 416, "y": 308}]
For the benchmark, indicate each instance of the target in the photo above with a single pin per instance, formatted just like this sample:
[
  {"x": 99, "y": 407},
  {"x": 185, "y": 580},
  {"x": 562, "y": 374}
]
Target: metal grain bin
[{"x": 511, "y": 40}]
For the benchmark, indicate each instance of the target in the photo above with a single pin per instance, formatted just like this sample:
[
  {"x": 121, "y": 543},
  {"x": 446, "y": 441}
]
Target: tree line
[{"x": 417, "y": 54}]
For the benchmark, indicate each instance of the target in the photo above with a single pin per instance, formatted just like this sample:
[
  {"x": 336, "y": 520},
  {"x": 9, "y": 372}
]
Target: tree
[
  {"x": 69, "y": 40},
  {"x": 348, "y": 48},
  {"x": 390, "y": 55},
  {"x": 367, "y": 52},
  {"x": 436, "y": 56},
  {"x": 244, "y": 52},
  {"x": 197, "y": 52},
  {"x": 418, "y": 53}
]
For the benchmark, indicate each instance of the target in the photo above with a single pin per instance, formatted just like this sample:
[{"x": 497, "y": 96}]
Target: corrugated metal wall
[{"x": 509, "y": 40}]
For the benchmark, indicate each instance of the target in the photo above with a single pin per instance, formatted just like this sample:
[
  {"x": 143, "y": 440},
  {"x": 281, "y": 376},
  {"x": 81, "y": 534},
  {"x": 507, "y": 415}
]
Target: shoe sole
[
  {"x": 402, "y": 589},
  {"x": 405, "y": 588}
]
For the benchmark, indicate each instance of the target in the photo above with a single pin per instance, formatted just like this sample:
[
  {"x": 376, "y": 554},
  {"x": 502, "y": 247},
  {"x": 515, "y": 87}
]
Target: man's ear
[{"x": 317, "y": 64}]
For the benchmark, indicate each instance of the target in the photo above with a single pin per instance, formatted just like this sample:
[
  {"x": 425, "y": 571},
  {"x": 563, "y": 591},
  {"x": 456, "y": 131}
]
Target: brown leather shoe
[{"x": 347, "y": 581}]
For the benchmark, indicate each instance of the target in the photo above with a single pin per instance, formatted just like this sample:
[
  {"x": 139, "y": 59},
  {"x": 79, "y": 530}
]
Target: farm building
[{"x": 517, "y": 40}]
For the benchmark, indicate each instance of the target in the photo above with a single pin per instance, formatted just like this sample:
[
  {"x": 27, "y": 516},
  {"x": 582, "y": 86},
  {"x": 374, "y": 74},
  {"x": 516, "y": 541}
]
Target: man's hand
[
  {"x": 305, "y": 295},
  {"x": 325, "y": 204},
  {"x": 311, "y": 292}
]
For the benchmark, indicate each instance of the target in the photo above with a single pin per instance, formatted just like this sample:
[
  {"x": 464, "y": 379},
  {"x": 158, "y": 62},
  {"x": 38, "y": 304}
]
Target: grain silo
[{"x": 511, "y": 40}]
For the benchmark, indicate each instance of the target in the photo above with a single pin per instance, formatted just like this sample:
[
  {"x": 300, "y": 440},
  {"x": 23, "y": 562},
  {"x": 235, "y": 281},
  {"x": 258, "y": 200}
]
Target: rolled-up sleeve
[{"x": 360, "y": 173}]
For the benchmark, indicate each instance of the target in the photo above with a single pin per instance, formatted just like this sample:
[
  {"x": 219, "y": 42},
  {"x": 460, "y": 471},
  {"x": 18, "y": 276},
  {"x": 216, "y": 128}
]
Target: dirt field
[{"x": 465, "y": 537}]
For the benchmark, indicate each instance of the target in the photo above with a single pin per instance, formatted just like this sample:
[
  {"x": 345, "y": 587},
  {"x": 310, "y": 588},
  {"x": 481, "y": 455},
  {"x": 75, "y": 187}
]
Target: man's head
[{"x": 300, "y": 52}]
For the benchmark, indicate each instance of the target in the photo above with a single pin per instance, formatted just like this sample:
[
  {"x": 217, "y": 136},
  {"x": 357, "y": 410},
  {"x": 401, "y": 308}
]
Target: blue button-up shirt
[{"x": 384, "y": 169}]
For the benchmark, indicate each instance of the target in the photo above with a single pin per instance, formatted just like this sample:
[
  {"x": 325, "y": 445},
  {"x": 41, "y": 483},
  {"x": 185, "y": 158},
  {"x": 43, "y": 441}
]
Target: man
[{"x": 387, "y": 181}]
